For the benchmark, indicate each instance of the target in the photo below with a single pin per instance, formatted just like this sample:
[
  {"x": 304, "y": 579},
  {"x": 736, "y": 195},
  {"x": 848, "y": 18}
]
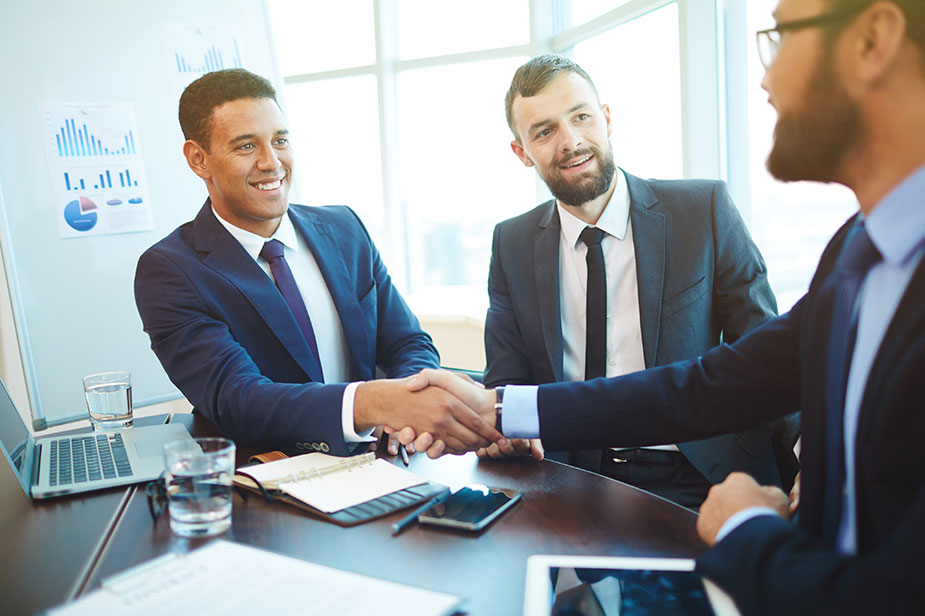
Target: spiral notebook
[{"x": 344, "y": 490}]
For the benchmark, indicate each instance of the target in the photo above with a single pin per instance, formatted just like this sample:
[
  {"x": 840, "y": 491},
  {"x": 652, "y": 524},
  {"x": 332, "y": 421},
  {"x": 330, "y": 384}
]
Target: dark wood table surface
[
  {"x": 564, "y": 511},
  {"x": 48, "y": 546}
]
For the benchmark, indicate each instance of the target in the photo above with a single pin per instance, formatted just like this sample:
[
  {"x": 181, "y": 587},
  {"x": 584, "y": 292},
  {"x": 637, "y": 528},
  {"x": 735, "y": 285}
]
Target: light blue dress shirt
[{"x": 897, "y": 228}]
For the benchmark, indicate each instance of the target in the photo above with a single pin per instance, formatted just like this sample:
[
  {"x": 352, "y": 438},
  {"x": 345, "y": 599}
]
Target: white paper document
[{"x": 226, "y": 578}]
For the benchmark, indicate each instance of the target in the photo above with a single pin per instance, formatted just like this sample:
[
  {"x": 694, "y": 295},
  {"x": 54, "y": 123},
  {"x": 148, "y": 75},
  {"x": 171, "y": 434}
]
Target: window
[
  {"x": 335, "y": 136},
  {"x": 791, "y": 223},
  {"x": 397, "y": 110},
  {"x": 645, "y": 112},
  {"x": 584, "y": 11},
  {"x": 458, "y": 177},
  {"x": 428, "y": 29}
]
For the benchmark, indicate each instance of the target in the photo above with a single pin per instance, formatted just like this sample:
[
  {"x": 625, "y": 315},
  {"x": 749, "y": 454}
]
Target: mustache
[{"x": 576, "y": 155}]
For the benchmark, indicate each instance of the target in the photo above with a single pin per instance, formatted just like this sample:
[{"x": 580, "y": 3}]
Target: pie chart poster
[{"x": 95, "y": 168}]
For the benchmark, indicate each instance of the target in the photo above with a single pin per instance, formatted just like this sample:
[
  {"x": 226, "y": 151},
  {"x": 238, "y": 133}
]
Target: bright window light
[
  {"x": 335, "y": 134},
  {"x": 791, "y": 223},
  {"x": 427, "y": 28},
  {"x": 636, "y": 69}
]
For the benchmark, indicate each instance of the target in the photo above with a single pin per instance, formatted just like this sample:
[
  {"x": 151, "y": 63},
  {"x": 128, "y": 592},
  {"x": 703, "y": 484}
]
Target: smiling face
[
  {"x": 565, "y": 133},
  {"x": 248, "y": 164}
]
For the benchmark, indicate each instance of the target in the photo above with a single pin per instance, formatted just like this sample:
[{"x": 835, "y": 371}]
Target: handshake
[{"x": 437, "y": 412}]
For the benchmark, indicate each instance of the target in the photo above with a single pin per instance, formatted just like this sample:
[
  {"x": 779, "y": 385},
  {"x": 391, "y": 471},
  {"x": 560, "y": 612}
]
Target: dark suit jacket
[
  {"x": 229, "y": 342},
  {"x": 699, "y": 276},
  {"x": 768, "y": 565}
]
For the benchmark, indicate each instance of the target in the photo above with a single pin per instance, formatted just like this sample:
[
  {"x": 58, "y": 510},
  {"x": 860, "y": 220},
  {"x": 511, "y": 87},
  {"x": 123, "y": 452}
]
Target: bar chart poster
[
  {"x": 193, "y": 51},
  {"x": 96, "y": 169}
]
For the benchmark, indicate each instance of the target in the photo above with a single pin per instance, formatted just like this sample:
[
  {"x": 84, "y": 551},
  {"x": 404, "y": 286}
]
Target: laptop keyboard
[{"x": 88, "y": 458}]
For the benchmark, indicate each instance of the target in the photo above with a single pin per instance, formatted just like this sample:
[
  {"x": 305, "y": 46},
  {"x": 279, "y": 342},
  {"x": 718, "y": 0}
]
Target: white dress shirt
[
  {"x": 329, "y": 332},
  {"x": 624, "y": 326},
  {"x": 624, "y": 331}
]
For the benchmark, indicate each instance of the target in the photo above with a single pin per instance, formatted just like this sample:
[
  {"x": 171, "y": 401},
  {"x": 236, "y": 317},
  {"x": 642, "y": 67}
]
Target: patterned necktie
[
  {"x": 858, "y": 255},
  {"x": 596, "y": 306},
  {"x": 272, "y": 252}
]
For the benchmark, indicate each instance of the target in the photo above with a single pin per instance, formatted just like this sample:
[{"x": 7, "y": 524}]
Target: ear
[
  {"x": 606, "y": 109},
  {"x": 521, "y": 153},
  {"x": 197, "y": 159},
  {"x": 880, "y": 32}
]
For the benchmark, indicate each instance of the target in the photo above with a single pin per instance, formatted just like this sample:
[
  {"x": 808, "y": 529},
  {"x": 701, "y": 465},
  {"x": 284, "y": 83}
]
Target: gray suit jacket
[{"x": 700, "y": 277}]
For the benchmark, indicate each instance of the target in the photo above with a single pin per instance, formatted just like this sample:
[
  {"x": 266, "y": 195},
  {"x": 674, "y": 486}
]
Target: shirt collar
[
  {"x": 253, "y": 243},
  {"x": 897, "y": 225},
  {"x": 613, "y": 220}
]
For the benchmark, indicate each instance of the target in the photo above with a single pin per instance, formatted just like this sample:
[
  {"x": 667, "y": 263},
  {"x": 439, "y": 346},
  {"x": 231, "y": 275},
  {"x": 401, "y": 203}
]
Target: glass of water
[
  {"x": 109, "y": 400},
  {"x": 198, "y": 481}
]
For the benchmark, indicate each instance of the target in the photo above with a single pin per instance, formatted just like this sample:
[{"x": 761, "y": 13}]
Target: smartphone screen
[{"x": 471, "y": 507}]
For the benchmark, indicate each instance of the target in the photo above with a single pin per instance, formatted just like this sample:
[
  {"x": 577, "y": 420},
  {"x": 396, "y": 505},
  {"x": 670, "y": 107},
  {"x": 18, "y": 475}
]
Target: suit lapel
[
  {"x": 649, "y": 246},
  {"x": 907, "y": 324},
  {"x": 546, "y": 271},
  {"x": 227, "y": 257},
  {"x": 341, "y": 286}
]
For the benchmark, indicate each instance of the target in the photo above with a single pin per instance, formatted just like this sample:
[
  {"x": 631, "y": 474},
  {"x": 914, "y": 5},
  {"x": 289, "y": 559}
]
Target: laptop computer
[{"x": 67, "y": 464}]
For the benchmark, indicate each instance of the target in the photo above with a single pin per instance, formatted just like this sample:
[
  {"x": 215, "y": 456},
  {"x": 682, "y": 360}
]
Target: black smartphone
[{"x": 471, "y": 508}]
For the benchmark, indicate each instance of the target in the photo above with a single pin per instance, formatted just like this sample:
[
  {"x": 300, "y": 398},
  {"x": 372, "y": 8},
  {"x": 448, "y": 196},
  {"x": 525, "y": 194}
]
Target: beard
[
  {"x": 587, "y": 186},
  {"x": 811, "y": 143}
]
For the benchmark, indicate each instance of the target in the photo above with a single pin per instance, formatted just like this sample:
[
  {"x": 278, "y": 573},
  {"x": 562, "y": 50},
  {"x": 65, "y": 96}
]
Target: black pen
[{"x": 405, "y": 522}]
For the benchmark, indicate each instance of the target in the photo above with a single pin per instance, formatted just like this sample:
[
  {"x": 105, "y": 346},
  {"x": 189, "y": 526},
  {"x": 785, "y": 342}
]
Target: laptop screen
[{"x": 14, "y": 438}]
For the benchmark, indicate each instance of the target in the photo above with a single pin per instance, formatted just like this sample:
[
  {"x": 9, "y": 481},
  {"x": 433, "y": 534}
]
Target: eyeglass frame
[
  {"x": 824, "y": 19},
  {"x": 772, "y": 43}
]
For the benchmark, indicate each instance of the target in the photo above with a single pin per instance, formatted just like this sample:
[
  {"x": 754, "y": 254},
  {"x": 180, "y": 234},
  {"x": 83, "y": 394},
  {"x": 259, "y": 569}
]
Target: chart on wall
[
  {"x": 194, "y": 50},
  {"x": 96, "y": 169}
]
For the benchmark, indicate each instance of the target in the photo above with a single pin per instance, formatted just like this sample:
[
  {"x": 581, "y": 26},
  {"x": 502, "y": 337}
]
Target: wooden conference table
[{"x": 564, "y": 511}]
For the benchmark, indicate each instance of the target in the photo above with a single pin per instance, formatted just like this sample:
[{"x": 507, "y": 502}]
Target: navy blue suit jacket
[
  {"x": 700, "y": 279},
  {"x": 770, "y": 566},
  {"x": 229, "y": 342}
]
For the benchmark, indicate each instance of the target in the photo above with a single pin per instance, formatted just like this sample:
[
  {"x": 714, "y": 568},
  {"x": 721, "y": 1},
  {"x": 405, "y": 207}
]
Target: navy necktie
[
  {"x": 858, "y": 255},
  {"x": 272, "y": 252},
  {"x": 596, "y": 306}
]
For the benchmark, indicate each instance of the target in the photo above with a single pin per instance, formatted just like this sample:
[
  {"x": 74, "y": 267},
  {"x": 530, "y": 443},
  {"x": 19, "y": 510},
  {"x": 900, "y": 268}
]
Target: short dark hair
[
  {"x": 212, "y": 90},
  {"x": 532, "y": 77}
]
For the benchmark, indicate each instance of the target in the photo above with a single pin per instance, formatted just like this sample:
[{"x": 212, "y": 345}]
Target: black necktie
[
  {"x": 272, "y": 252},
  {"x": 858, "y": 255},
  {"x": 596, "y": 306}
]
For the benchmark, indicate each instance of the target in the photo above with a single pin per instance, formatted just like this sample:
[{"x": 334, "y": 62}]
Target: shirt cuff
[
  {"x": 519, "y": 415},
  {"x": 741, "y": 517},
  {"x": 346, "y": 418}
]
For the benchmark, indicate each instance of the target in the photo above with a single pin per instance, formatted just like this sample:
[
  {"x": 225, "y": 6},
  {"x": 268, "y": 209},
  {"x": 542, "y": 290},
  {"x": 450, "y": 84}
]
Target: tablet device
[
  {"x": 610, "y": 585},
  {"x": 472, "y": 507}
]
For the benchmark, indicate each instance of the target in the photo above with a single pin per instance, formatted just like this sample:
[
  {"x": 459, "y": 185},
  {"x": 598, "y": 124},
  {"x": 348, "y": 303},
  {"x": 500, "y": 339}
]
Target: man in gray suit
[{"x": 618, "y": 274}]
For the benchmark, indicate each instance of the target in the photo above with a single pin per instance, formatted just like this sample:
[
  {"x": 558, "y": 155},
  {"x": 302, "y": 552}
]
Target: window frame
[{"x": 703, "y": 94}]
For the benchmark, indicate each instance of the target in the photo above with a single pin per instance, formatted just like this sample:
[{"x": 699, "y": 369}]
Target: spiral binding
[{"x": 347, "y": 464}]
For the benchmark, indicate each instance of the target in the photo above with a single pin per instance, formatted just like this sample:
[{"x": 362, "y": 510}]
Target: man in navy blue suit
[
  {"x": 847, "y": 78},
  {"x": 272, "y": 318}
]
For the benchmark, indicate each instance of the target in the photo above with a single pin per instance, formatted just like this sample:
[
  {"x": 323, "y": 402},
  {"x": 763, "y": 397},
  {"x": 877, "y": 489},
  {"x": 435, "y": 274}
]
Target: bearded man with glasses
[{"x": 847, "y": 80}]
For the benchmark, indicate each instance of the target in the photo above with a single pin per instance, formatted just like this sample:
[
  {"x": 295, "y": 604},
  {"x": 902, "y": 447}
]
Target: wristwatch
[{"x": 499, "y": 394}]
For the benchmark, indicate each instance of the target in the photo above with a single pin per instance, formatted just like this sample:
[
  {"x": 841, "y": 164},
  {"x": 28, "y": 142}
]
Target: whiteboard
[{"x": 73, "y": 299}]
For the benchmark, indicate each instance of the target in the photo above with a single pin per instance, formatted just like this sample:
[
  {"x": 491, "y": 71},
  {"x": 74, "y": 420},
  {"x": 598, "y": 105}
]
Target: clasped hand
[{"x": 451, "y": 414}]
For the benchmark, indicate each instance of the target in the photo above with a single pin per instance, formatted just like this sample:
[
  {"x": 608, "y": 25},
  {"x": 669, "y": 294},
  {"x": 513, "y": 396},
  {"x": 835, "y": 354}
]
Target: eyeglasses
[{"x": 769, "y": 40}]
